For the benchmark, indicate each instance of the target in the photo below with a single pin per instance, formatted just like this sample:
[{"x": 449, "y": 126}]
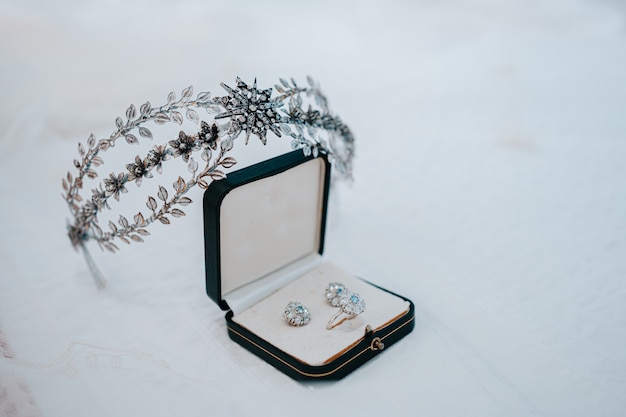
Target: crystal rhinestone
[
  {"x": 353, "y": 304},
  {"x": 296, "y": 314},
  {"x": 335, "y": 291}
]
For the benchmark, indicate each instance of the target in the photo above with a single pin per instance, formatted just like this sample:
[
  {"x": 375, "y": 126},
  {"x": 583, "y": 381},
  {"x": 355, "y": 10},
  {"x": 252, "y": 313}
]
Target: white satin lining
[{"x": 269, "y": 224}]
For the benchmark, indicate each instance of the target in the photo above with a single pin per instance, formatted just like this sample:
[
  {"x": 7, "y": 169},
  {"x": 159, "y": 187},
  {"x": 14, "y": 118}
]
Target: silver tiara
[{"x": 300, "y": 113}]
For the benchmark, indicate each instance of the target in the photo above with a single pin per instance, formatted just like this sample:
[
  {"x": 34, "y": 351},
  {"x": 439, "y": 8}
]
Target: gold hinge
[{"x": 377, "y": 343}]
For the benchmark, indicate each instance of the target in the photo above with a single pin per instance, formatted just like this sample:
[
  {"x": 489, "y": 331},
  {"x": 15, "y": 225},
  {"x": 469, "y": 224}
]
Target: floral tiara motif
[{"x": 245, "y": 110}]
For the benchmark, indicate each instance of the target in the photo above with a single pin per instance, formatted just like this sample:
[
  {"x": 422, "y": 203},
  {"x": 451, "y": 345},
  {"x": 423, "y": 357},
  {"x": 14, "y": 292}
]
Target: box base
[{"x": 372, "y": 343}]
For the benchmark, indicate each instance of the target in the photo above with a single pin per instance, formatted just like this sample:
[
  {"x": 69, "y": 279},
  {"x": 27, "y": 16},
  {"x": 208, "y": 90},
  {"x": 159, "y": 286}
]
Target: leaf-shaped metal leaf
[
  {"x": 151, "y": 203},
  {"x": 91, "y": 173},
  {"x": 227, "y": 144},
  {"x": 65, "y": 185},
  {"x": 139, "y": 219},
  {"x": 192, "y": 166},
  {"x": 213, "y": 109},
  {"x": 123, "y": 221},
  {"x": 203, "y": 97},
  {"x": 145, "y": 108},
  {"x": 161, "y": 118},
  {"x": 131, "y": 139},
  {"x": 123, "y": 239},
  {"x": 187, "y": 92},
  {"x": 119, "y": 122},
  {"x": 97, "y": 161},
  {"x": 179, "y": 185},
  {"x": 104, "y": 144},
  {"x": 217, "y": 175},
  {"x": 143, "y": 232},
  {"x": 81, "y": 149},
  {"x": 228, "y": 162},
  {"x": 193, "y": 116},
  {"x": 171, "y": 97},
  {"x": 131, "y": 112},
  {"x": 177, "y": 212},
  {"x": 177, "y": 117},
  {"x": 184, "y": 201},
  {"x": 162, "y": 194},
  {"x": 110, "y": 247},
  {"x": 145, "y": 133},
  {"x": 91, "y": 141},
  {"x": 113, "y": 226},
  {"x": 164, "y": 220},
  {"x": 136, "y": 238}
]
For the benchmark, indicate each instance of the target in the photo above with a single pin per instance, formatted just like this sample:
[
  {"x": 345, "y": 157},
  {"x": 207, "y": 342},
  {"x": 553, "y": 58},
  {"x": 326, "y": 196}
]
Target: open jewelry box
[{"x": 264, "y": 237}]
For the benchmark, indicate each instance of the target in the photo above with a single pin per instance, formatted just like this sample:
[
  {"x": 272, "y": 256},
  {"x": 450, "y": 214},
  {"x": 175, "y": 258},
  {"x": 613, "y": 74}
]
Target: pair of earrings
[{"x": 350, "y": 305}]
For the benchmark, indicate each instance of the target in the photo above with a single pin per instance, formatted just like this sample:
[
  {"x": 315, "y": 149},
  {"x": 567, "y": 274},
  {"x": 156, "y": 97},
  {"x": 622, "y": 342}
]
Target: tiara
[{"x": 244, "y": 111}]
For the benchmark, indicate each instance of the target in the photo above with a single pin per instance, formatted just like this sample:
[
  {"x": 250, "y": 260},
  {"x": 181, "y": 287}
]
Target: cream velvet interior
[
  {"x": 313, "y": 344},
  {"x": 270, "y": 223}
]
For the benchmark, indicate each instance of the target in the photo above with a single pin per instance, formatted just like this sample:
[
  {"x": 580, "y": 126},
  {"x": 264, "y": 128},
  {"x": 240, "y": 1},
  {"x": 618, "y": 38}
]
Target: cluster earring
[
  {"x": 350, "y": 304},
  {"x": 296, "y": 314}
]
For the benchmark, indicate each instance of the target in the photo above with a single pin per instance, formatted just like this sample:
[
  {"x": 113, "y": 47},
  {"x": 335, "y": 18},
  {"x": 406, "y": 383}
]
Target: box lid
[{"x": 262, "y": 224}]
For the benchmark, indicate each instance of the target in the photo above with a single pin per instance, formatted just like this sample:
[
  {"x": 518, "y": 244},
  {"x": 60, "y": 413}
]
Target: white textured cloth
[{"x": 489, "y": 189}]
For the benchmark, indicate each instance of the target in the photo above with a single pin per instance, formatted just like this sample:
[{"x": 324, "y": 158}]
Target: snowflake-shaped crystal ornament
[{"x": 250, "y": 110}]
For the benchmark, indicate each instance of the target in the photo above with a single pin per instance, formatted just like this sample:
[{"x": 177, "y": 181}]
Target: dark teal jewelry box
[{"x": 264, "y": 229}]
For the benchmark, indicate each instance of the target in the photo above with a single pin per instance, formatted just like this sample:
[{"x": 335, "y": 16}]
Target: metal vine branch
[{"x": 245, "y": 111}]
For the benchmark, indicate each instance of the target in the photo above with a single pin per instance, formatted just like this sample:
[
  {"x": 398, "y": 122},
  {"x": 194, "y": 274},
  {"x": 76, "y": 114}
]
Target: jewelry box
[{"x": 264, "y": 228}]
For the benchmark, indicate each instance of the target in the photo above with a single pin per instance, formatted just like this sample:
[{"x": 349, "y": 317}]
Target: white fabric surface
[{"x": 489, "y": 189}]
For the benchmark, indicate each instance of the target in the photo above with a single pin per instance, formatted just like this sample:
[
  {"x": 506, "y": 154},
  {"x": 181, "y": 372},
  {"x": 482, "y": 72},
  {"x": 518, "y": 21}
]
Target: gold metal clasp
[{"x": 377, "y": 344}]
